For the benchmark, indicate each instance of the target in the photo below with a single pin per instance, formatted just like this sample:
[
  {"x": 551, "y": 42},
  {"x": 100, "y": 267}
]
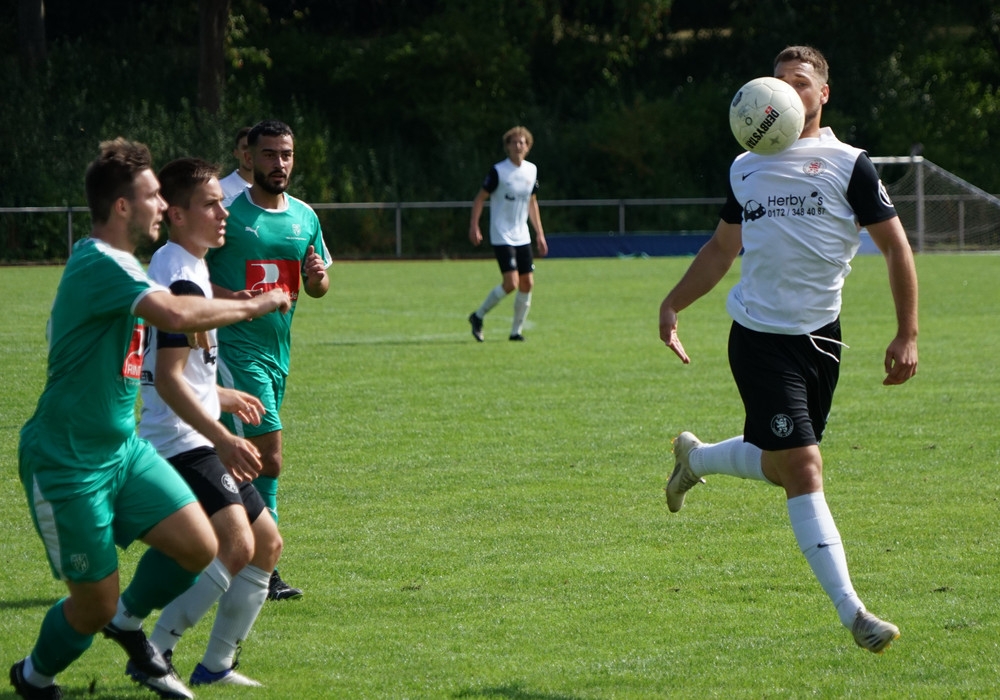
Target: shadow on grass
[
  {"x": 27, "y": 603},
  {"x": 69, "y": 691},
  {"x": 512, "y": 691},
  {"x": 91, "y": 692},
  {"x": 398, "y": 340}
]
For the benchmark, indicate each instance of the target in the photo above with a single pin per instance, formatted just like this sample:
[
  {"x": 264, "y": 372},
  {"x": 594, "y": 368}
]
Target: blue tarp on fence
[
  {"x": 614, "y": 245},
  {"x": 571, "y": 245}
]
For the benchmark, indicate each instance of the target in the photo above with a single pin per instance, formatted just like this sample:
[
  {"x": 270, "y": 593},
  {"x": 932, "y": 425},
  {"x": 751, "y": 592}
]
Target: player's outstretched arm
[
  {"x": 187, "y": 314},
  {"x": 901, "y": 355},
  {"x": 708, "y": 267}
]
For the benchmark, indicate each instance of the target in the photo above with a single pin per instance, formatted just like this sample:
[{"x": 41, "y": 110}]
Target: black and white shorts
[
  {"x": 786, "y": 383},
  {"x": 213, "y": 485},
  {"x": 511, "y": 257}
]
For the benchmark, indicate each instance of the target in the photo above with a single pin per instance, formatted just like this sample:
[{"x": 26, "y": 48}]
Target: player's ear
[
  {"x": 824, "y": 94},
  {"x": 121, "y": 207},
  {"x": 175, "y": 215}
]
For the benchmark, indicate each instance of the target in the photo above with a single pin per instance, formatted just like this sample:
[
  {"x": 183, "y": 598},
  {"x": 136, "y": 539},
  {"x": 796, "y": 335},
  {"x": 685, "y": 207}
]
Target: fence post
[
  {"x": 399, "y": 229},
  {"x": 961, "y": 225},
  {"x": 69, "y": 231},
  {"x": 621, "y": 217},
  {"x": 920, "y": 205}
]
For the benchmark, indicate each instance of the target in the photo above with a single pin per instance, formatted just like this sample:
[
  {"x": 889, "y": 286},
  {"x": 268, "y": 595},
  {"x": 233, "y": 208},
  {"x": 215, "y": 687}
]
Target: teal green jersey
[
  {"x": 265, "y": 249},
  {"x": 86, "y": 412}
]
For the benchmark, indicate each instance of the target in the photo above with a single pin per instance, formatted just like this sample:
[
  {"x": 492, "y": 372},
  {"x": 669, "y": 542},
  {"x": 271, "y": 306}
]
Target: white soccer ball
[{"x": 766, "y": 116}]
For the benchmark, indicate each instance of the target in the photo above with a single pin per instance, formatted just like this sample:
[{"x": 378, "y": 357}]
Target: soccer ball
[{"x": 766, "y": 116}]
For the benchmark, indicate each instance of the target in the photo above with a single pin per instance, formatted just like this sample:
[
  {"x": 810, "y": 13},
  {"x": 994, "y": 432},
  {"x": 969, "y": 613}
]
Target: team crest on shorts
[
  {"x": 229, "y": 484},
  {"x": 782, "y": 425},
  {"x": 79, "y": 562}
]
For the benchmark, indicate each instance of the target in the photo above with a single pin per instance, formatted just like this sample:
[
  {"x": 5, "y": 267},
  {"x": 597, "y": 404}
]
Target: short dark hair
[
  {"x": 241, "y": 134},
  {"x": 268, "y": 127},
  {"x": 806, "y": 54},
  {"x": 112, "y": 175},
  {"x": 179, "y": 178}
]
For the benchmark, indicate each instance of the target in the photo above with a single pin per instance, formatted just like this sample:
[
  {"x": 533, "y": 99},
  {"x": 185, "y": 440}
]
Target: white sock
[
  {"x": 184, "y": 611},
  {"x": 495, "y": 296},
  {"x": 732, "y": 457},
  {"x": 238, "y": 610},
  {"x": 819, "y": 541},
  {"x": 522, "y": 302},
  {"x": 124, "y": 620},
  {"x": 33, "y": 676}
]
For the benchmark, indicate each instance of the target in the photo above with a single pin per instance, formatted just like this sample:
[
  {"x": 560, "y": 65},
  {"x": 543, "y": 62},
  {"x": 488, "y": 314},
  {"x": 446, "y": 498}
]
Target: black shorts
[
  {"x": 786, "y": 383},
  {"x": 214, "y": 485},
  {"x": 511, "y": 258}
]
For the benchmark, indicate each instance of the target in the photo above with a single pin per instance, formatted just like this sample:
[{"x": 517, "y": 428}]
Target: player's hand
[
  {"x": 668, "y": 332},
  {"x": 244, "y": 406},
  {"x": 199, "y": 340},
  {"x": 542, "y": 245},
  {"x": 314, "y": 267},
  {"x": 900, "y": 361},
  {"x": 240, "y": 458},
  {"x": 475, "y": 236},
  {"x": 276, "y": 299}
]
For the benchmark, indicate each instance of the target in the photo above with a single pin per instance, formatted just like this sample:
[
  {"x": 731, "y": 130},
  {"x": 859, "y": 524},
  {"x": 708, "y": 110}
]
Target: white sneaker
[
  {"x": 202, "y": 676},
  {"x": 873, "y": 634},
  {"x": 169, "y": 685},
  {"x": 682, "y": 479}
]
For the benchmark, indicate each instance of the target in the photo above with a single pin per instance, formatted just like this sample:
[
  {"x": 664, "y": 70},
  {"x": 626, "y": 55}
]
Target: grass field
[{"x": 487, "y": 520}]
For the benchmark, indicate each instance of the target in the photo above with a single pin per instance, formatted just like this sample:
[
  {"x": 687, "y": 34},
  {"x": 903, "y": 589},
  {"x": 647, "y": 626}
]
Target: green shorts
[
  {"x": 243, "y": 372},
  {"x": 80, "y": 530}
]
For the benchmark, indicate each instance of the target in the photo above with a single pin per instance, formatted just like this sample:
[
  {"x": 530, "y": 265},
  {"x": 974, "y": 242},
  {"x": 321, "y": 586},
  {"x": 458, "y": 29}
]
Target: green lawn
[{"x": 487, "y": 520}]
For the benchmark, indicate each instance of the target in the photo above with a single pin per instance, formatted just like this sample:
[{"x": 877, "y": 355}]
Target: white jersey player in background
[
  {"x": 235, "y": 182},
  {"x": 796, "y": 215},
  {"x": 511, "y": 186}
]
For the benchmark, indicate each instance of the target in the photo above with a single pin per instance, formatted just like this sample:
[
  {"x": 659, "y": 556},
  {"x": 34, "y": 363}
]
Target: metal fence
[{"x": 939, "y": 210}]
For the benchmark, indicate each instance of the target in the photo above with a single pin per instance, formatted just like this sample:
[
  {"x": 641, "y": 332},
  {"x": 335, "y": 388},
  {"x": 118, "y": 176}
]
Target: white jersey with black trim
[
  {"x": 801, "y": 213},
  {"x": 174, "y": 267},
  {"x": 510, "y": 187}
]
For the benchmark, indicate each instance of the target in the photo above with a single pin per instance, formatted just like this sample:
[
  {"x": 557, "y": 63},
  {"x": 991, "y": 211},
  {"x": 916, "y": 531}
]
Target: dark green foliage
[{"x": 406, "y": 101}]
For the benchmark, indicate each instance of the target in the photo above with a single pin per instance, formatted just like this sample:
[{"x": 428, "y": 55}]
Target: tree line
[{"x": 406, "y": 100}]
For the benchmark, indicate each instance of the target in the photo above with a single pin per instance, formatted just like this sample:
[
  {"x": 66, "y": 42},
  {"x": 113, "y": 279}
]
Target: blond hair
[{"x": 518, "y": 131}]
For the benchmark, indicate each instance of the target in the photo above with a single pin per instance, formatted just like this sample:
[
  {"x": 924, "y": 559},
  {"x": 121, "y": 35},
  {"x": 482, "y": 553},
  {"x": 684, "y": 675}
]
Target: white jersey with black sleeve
[
  {"x": 801, "y": 213},
  {"x": 510, "y": 187},
  {"x": 176, "y": 268}
]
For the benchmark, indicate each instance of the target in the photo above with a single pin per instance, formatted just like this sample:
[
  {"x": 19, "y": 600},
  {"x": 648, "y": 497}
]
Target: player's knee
[
  {"x": 204, "y": 547},
  {"x": 269, "y": 550},
  {"x": 271, "y": 463},
  {"x": 91, "y": 615},
  {"x": 237, "y": 552}
]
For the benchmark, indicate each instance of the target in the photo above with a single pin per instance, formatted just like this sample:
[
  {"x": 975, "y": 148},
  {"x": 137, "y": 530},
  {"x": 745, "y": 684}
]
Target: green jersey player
[
  {"x": 273, "y": 241},
  {"x": 90, "y": 482}
]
